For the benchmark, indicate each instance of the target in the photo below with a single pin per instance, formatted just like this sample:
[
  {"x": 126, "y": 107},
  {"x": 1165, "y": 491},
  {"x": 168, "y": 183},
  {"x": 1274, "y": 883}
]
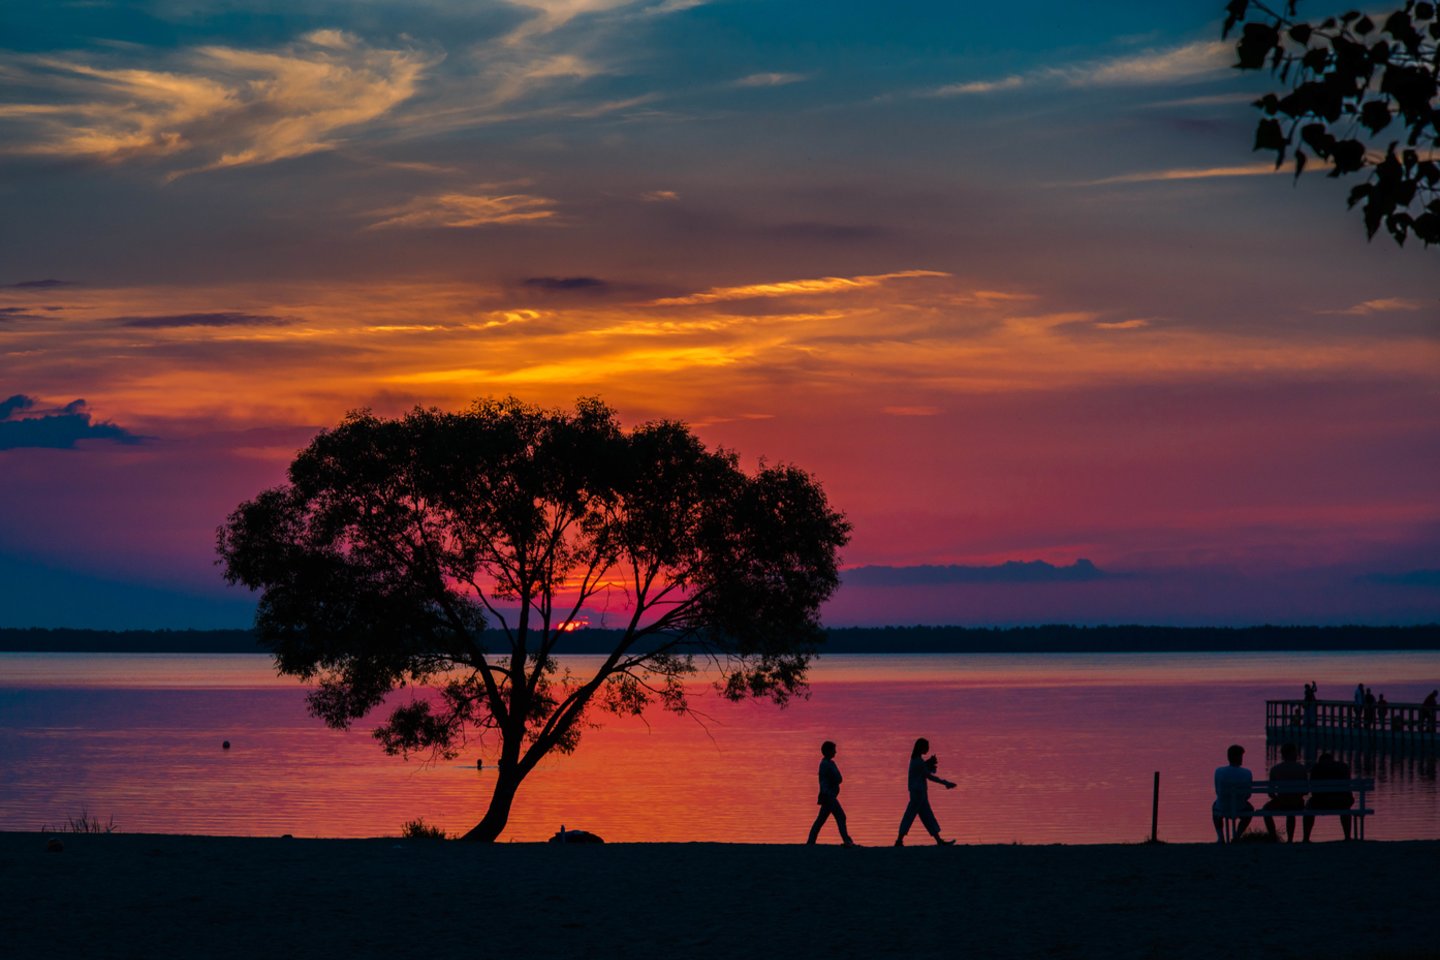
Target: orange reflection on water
[{"x": 1045, "y": 749}]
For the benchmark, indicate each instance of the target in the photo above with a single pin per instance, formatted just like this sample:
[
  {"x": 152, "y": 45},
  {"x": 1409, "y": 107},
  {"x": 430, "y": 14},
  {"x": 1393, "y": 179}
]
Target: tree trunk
[{"x": 507, "y": 783}]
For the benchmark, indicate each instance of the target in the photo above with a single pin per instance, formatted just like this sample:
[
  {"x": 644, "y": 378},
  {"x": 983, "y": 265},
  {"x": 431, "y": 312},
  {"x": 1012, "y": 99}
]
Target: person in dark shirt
[
  {"x": 829, "y": 799},
  {"x": 921, "y": 772},
  {"x": 1328, "y": 768},
  {"x": 1288, "y": 770}
]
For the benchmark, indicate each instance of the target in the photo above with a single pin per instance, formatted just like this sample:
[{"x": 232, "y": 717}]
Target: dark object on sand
[
  {"x": 479, "y": 764},
  {"x": 225, "y": 745},
  {"x": 56, "y": 845},
  {"x": 575, "y": 836}
]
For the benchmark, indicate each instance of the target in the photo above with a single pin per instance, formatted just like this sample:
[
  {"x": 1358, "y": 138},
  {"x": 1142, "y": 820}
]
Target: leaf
[
  {"x": 1319, "y": 139},
  {"x": 1399, "y": 225},
  {"x": 1256, "y": 42},
  {"x": 1315, "y": 59},
  {"x": 1235, "y": 12},
  {"x": 1424, "y": 11},
  {"x": 1348, "y": 156},
  {"x": 1358, "y": 193},
  {"x": 1398, "y": 24},
  {"x": 1375, "y": 115},
  {"x": 1363, "y": 26},
  {"x": 1268, "y": 136},
  {"x": 1300, "y": 33},
  {"x": 1427, "y": 228},
  {"x": 1373, "y": 216},
  {"x": 1300, "y": 159}
]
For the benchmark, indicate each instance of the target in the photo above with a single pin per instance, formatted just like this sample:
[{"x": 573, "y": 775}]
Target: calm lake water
[{"x": 1046, "y": 748}]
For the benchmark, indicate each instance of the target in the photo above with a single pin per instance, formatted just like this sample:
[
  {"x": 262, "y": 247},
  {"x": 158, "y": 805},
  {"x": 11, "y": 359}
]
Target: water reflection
[{"x": 1045, "y": 749}]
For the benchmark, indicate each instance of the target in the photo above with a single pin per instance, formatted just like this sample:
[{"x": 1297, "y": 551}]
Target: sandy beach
[{"x": 183, "y": 896}]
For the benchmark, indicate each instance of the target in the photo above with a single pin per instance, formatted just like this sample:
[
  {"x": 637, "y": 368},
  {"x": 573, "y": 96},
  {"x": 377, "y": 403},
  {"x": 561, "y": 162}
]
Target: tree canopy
[
  {"x": 1362, "y": 97},
  {"x": 455, "y": 552}
]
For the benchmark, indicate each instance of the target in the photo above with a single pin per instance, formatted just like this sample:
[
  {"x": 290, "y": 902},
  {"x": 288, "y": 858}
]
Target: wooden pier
[{"x": 1399, "y": 727}]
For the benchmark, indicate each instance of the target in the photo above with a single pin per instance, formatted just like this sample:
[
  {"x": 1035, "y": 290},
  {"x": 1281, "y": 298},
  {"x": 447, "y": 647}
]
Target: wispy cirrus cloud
[
  {"x": 791, "y": 288},
  {"x": 1184, "y": 173},
  {"x": 466, "y": 210},
  {"x": 770, "y": 79},
  {"x": 1186, "y": 63},
  {"x": 210, "y": 107},
  {"x": 1380, "y": 305}
]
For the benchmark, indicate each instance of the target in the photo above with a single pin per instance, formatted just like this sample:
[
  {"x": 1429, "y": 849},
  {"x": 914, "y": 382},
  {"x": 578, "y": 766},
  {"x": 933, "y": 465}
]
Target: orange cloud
[
  {"x": 790, "y": 288},
  {"x": 466, "y": 210}
]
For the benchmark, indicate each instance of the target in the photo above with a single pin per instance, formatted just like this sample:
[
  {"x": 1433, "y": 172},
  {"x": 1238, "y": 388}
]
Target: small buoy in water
[
  {"x": 479, "y": 764},
  {"x": 225, "y": 745},
  {"x": 55, "y": 845}
]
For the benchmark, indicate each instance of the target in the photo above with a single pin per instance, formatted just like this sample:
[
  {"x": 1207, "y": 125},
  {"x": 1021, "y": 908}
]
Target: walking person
[
  {"x": 829, "y": 799},
  {"x": 922, "y": 771}
]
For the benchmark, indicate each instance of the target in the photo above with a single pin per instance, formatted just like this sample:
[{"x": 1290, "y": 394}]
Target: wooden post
[{"x": 1155, "y": 809}]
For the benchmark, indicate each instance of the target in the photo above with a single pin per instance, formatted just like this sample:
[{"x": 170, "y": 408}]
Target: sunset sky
[{"x": 1010, "y": 284}]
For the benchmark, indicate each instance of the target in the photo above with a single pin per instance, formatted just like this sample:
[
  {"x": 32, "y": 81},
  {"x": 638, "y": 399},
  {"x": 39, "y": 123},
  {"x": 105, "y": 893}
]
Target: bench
[{"x": 1263, "y": 790}]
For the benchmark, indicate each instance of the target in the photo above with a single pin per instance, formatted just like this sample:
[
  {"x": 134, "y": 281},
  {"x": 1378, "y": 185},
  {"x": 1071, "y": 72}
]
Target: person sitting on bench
[
  {"x": 1288, "y": 769},
  {"x": 1328, "y": 768},
  {"x": 1232, "y": 793}
]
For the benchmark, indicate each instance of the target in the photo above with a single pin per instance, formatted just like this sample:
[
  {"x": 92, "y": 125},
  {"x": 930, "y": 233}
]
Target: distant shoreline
[{"x": 1056, "y": 638}]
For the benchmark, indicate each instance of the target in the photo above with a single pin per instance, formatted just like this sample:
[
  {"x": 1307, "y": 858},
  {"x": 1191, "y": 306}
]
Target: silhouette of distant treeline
[{"x": 1057, "y": 638}]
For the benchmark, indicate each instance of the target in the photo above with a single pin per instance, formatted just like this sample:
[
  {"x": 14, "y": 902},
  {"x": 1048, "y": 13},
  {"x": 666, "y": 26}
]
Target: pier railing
[{"x": 1397, "y": 726}]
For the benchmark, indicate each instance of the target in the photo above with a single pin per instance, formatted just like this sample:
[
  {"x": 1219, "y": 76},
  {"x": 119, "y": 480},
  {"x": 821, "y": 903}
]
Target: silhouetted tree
[
  {"x": 396, "y": 542},
  {"x": 1362, "y": 97}
]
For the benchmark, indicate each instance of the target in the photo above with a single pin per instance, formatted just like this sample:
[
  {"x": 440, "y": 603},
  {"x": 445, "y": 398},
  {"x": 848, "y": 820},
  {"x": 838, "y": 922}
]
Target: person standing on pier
[
  {"x": 1427, "y": 712},
  {"x": 1359, "y": 705},
  {"x": 1311, "y": 689},
  {"x": 1369, "y": 709}
]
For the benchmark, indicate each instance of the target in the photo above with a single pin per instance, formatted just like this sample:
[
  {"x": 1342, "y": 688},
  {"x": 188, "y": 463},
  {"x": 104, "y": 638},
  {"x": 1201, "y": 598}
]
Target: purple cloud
[
  {"x": 24, "y": 425},
  {"x": 37, "y": 284},
  {"x": 224, "y": 319},
  {"x": 1012, "y": 571}
]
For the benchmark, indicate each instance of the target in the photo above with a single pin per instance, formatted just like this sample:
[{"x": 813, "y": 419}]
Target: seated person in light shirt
[{"x": 1232, "y": 793}]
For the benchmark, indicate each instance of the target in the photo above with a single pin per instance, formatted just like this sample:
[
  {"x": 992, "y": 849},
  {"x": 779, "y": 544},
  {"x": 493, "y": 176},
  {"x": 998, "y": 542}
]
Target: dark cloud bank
[
  {"x": 1012, "y": 571},
  {"x": 565, "y": 284},
  {"x": 37, "y": 284},
  {"x": 226, "y": 319},
  {"x": 1410, "y": 578},
  {"x": 23, "y": 423}
]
